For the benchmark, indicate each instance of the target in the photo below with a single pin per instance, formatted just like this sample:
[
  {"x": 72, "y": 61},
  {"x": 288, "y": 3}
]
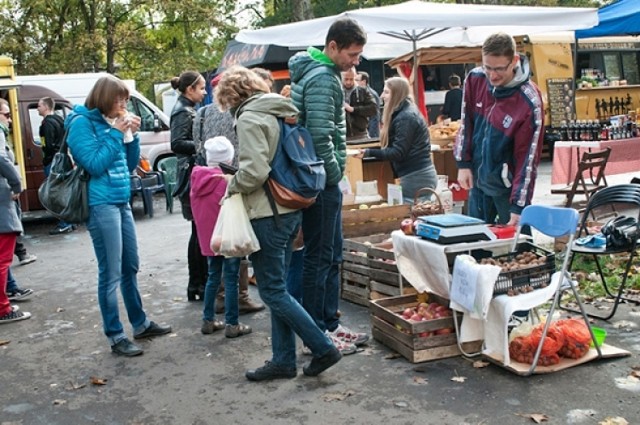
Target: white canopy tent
[
  {"x": 421, "y": 24},
  {"x": 401, "y": 28}
]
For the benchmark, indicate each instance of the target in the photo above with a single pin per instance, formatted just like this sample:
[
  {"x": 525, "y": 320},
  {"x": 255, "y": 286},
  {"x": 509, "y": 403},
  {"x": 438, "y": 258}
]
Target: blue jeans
[
  {"x": 294, "y": 275},
  {"x": 288, "y": 317},
  {"x": 491, "y": 209},
  {"x": 113, "y": 233},
  {"x": 227, "y": 269},
  {"x": 321, "y": 227},
  {"x": 12, "y": 285}
]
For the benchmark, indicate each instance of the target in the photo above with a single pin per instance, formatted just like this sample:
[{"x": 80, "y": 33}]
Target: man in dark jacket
[
  {"x": 452, "y": 107},
  {"x": 359, "y": 106},
  {"x": 316, "y": 90},
  {"x": 500, "y": 142},
  {"x": 51, "y": 135},
  {"x": 374, "y": 121}
]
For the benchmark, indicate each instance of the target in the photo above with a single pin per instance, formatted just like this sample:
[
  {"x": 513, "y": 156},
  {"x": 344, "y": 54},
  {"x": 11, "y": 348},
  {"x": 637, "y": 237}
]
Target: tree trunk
[{"x": 301, "y": 10}]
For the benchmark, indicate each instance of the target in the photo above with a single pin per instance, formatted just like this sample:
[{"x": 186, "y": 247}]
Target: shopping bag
[
  {"x": 233, "y": 235},
  {"x": 64, "y": 192}
]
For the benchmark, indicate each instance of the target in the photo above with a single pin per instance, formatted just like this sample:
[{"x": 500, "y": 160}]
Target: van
[{"x": 155, "y": 135}]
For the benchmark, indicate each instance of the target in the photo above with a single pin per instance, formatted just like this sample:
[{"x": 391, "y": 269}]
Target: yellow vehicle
[{"x": 24, "y": 132}]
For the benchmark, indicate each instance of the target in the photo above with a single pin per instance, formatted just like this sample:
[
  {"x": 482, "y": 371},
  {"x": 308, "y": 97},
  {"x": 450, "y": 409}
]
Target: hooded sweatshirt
[
  {"x": 258, "y": 132},
  {"x": 501, "y": 135},
  {"x": 207, "y": 190},
  {"x": 316, "y": 90}
]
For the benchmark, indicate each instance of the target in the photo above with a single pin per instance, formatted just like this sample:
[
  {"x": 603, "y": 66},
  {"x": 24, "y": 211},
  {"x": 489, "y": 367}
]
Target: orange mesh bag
[
  {"x": 576, "y": 338},
  {"x": 552, "y": 343}
]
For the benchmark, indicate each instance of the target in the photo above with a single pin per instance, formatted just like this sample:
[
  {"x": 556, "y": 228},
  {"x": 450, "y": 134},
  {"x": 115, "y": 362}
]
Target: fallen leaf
[
  {"x": 614, "y": 421},
  {"x": 392, "y": 356},
  {"x": 98, "y": 381},
  {"x": 59, "y": 402},
  {"x": 339, "y": 396},
  {"x": 479, "y": 364},
  {"x": 4, "y": 341},
  {"x": 419, "y": 380},
  {"x": 635, "y": 373},
  {"x": 459, "y": 379},
  {"x": 59, "y": 309},
  {"x": 535, "y": 417},
  {"x": 75, "y": 386}
]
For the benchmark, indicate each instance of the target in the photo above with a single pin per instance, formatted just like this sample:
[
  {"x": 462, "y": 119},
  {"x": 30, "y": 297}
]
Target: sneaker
[
  {"x": 234, "y": 331},
  {"x": 19, "y": 294},
  {"x": 152, "y": 330},
  {"x": 126, "y": 348},
  {"x": 14, "y": 315},
  {"x": 345, "y": 348},
  {"x": 270, "y": 371},
  {"x": 210, "y": 326},
  {"x": 347, "y": 335},
  {"x": 317, "y": 365},
  {"x": 27, "y": 259},
  {"x": 59, "y": 230}
]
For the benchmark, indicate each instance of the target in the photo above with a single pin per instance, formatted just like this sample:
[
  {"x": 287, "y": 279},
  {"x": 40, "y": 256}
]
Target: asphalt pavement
[{"x": 57, "y": 368}]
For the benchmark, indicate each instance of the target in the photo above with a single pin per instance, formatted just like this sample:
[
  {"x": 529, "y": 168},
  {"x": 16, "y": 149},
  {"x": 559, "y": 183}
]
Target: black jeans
[{"x": 198, "y": 265}]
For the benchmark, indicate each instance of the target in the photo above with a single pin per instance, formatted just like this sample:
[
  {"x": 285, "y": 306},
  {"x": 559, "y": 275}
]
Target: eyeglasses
[
  {"x": 497, "y": 69},
  {"x": 6, "y": 114}
]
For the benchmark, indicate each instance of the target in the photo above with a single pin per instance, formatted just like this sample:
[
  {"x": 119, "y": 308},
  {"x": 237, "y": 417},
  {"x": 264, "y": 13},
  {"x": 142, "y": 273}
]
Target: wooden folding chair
[{"x": 592, "y": 165}]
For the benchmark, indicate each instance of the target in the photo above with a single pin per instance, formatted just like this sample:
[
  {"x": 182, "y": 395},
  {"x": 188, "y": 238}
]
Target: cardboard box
[{"x": 445, "y": 163}]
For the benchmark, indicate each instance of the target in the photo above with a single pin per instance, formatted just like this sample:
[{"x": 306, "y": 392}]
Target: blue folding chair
[{"x": 554, "y": 222}]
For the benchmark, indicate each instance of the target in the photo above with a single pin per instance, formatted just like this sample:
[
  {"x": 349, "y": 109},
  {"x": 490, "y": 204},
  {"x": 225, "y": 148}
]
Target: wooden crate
[
  {"x": 384, "y": 274},
  {"x": 371, "y": 221},
  {"x": 356, "y": 272},
  {"x": 404, "y": 337}
]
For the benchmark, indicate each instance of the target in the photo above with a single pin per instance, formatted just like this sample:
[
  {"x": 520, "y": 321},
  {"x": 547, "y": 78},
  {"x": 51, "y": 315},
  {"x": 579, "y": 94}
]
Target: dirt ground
[{"x": 49, "y": 362}]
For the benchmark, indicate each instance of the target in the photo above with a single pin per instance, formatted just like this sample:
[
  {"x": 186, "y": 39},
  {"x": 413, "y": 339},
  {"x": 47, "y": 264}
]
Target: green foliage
[
  {"x": 585, "y": 272},
  {"x": 145, "y": 40}
]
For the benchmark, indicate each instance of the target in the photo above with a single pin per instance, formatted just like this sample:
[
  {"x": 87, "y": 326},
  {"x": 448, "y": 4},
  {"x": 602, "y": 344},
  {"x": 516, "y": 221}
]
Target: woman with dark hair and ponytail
[{"x": 191, "y": 86}]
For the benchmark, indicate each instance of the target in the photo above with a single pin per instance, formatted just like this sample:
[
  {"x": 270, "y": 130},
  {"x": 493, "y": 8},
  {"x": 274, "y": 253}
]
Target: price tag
[{"x": 463, "y": 283}]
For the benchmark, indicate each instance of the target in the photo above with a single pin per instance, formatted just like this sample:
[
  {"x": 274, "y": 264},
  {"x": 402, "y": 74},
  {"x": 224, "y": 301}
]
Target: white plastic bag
[{"x": 233, "y": 235}]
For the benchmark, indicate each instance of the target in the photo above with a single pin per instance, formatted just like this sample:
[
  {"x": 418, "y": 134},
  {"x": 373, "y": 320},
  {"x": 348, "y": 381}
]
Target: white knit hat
[{"x": 219, "y": 149}]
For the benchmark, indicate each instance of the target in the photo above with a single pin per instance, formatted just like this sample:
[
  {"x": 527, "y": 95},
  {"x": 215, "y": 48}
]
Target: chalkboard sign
[{"x": 561, "y": 100}]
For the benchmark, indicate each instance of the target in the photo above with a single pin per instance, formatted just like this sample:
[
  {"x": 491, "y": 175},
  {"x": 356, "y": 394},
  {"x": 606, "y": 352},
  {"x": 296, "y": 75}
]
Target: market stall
[{"x": 624, "y": 158}]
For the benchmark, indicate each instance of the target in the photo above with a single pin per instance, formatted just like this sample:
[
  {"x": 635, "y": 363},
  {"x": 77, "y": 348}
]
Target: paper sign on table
[{"x": 463, "y": 284}]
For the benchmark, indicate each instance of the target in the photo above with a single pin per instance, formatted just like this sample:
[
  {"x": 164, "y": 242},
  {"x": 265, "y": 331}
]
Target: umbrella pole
[{"x": 416, "y": 85}]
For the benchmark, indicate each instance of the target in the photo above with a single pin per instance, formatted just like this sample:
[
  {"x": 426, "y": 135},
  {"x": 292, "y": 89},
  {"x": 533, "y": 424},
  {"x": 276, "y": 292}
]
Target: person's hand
[
  {"x": 515, "y": 219},
  {"x": 226, "y": 177},
  {"x": 360, "y": 154},
  {"x": 465, "y": 178},
  {"x": 348, "y": 107},
  {"x": 15, "y": 196},
  {"x": 135, "y": 122}
]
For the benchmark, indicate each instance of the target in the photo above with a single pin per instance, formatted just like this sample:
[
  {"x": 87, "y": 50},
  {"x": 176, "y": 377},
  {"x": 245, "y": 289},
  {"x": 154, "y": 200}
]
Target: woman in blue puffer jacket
[{"x": 103, "y": 139}]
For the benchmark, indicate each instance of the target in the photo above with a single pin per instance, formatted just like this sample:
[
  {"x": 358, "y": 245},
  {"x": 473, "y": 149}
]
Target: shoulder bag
[{"x": 64, "y": 192}]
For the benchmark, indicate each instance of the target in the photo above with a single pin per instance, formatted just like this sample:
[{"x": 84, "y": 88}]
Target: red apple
[
  {"x": 444, "y": 331},
  {"x": 407, "y": 313},
  {"x": 416, "y": 318},
  {"x": 424, "y": 334},
  {"x": 407, "y": 226},
  {"x": 433, "y": 306}
]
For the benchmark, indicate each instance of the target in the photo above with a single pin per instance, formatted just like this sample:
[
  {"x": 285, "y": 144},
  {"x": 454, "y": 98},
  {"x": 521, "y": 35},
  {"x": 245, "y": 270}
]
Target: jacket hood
[
  {"x": 268, "y": 103},
  {"x": 521, "y": 76},
  {"x": 303, "y": 62},
  {"x": 91, "y": 114}
]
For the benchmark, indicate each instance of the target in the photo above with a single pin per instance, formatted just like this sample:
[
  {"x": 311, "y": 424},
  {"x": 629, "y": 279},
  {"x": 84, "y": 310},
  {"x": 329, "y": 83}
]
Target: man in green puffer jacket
[{"x": 316, "y": 90}]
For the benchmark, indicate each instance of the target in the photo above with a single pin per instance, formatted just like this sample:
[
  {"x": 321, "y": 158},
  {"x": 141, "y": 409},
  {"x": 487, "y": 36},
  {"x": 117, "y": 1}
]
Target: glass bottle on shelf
[{"x": 564, "y": 131}]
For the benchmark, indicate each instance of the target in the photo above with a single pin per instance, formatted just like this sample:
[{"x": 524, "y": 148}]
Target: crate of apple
[{"x": 424, "y": 312}]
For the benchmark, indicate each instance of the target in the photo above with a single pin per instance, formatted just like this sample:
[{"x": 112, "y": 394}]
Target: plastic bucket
[{"x": 600, "y": 335}]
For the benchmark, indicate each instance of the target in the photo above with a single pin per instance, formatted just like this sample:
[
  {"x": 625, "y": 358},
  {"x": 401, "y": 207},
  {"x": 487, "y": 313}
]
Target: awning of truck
[
  {"x": 620, "y": 18},
  {"x": 6, "y": 84}
]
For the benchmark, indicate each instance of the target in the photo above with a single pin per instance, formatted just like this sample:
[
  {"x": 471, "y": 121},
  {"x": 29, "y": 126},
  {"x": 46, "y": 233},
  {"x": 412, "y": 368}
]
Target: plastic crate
[{"x": 535, "y": 276}]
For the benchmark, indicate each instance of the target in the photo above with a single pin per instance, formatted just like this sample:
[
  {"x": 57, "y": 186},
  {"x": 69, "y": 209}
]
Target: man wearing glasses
[{"x": 500, "y": 140}]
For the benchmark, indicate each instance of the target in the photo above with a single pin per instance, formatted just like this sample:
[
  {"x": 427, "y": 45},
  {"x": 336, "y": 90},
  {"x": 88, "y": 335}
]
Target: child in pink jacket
[{"x": 207, "y": 190}]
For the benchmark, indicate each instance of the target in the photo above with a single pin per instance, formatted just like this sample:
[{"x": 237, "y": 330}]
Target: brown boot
[{"x": 245, "y": 304}]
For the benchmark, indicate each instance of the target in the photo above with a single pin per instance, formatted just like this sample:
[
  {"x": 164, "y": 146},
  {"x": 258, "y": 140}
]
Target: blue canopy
[{"x": 619, "y": 18}]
